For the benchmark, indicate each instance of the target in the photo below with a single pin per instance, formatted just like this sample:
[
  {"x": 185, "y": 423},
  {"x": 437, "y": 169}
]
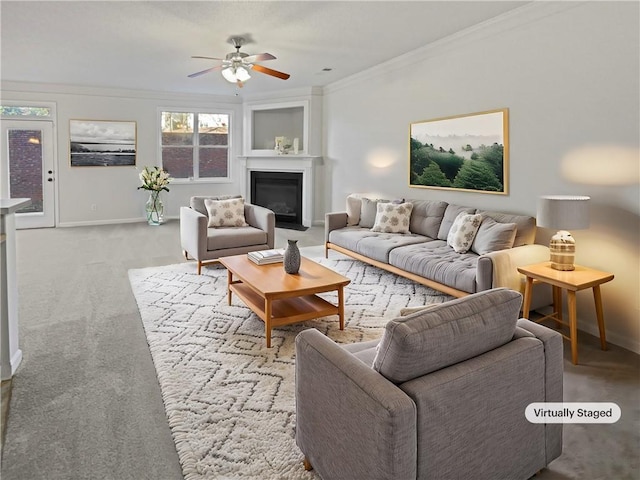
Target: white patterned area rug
[{"x": 230, "y": 401}]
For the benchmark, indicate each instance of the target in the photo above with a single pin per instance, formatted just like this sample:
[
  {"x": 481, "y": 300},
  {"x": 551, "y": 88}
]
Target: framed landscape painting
[
  {"x": 102, "y": 143},
  {"x": 465, "y": 152}
]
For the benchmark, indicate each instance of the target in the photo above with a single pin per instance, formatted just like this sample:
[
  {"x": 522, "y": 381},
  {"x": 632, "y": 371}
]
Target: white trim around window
[{"x": 195, "y": 176}]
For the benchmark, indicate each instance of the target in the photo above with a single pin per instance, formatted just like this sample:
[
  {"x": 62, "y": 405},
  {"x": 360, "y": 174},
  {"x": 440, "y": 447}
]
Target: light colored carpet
[{"x": 229, "y": 400}]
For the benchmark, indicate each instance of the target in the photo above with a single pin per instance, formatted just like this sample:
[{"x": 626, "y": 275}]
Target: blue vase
[{"x": 291, "y": 260}]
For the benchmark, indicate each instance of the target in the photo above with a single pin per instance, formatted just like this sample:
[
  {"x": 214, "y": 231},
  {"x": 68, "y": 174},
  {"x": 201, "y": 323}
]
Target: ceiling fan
[{"x": 236, "y": 65}]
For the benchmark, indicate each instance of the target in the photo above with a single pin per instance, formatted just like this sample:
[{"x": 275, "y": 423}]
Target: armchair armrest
[
  {"x": 349, "y": 418},
  {"x": 334, "y": 221},
  {"x": 502, "y": 266},
  {"x": 554, "y": 364},
  {"x": 262, "y": 218},
  {"x": 193, "y": 232}
]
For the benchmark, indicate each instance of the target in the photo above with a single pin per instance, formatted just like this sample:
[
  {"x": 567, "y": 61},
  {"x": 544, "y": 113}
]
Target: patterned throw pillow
[
  {"x": 463, "y": 231},
  {"x": 393, "y": 218},
  {"x": 226, "y": 213}
]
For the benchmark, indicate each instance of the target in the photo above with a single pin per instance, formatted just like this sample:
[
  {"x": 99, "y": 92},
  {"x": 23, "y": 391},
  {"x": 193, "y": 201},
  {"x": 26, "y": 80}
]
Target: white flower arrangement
[{"x": 154, "y": 178}]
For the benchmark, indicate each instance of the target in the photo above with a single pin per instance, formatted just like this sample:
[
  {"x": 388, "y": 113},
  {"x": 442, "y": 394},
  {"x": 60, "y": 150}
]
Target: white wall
[
  {"x": 568, "y": 72},
  {"x": 113, "y": 190}
]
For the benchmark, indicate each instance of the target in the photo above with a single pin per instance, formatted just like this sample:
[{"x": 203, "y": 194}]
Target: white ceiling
[{"x": 148, "y": 45}]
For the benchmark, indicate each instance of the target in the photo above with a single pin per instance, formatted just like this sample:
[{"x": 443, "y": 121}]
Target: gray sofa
[
  {"x": 423, "y": 254},
  {"x": 441, "y": 396},
  {"x": 207, "y": 244}
]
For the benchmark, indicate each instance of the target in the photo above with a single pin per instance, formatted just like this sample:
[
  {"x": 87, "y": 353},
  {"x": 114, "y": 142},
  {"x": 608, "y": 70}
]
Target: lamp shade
[{"x": 563, "y": 212}]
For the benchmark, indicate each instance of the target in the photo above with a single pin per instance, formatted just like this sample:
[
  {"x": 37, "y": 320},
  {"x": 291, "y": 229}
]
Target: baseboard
[
  {"x": 612, "y": 338},
  {"x": 14, "y": 362},
  {"x": 91, "y": 223},
  {"x": 591, "y": 328}
]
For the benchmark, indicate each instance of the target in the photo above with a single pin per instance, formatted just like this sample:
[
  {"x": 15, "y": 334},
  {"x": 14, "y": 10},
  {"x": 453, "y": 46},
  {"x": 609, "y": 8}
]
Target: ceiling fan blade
[
  {"x": 273, "y": 73},
  {"x": 207, "y": 58},
  {"x": 197, "y": 74},
  {"x": 259, "y": 57}
]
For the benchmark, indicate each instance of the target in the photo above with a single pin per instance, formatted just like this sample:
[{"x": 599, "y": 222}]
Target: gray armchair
[
  {"x": 441, "y": 396},
  {"x": 205, "y": 244}
]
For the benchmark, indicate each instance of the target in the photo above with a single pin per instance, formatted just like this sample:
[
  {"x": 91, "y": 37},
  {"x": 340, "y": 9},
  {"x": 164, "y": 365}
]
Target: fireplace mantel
[{"x": 304, "y": 164}]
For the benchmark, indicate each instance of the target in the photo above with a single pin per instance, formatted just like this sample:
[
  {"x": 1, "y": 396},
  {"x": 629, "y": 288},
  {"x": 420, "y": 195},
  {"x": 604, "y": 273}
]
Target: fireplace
[{"x": 282, "y": 193}]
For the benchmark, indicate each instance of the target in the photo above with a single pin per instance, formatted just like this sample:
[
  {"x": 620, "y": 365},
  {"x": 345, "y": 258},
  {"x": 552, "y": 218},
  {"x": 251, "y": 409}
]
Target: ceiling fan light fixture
[
  {"x": 242, "y": 74},
  {"x": 235, "y": 74},
  {"x": 235, "y": 66},
  {"x": 229, "y": 75}
]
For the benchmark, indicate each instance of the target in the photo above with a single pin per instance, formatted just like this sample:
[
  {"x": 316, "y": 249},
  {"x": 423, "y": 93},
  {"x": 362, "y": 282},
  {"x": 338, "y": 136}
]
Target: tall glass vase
[{"x": 155, "y": 209}]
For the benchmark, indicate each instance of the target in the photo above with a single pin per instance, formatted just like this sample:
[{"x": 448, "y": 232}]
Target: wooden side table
[{"x": 572, "y": 281}]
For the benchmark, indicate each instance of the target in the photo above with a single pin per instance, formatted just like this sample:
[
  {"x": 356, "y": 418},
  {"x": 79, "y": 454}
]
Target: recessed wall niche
[{"x": 277, "y": 122}]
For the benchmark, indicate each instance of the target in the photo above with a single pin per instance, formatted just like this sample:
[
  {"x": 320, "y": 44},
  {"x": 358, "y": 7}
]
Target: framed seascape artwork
[
  {"x": 465, "y": 152},
  {"x": 98, "y": 143}
]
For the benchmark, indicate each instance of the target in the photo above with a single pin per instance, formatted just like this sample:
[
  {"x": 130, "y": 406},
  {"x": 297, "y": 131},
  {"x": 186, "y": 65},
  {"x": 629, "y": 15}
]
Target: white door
[{"x": 28, "y": 170}]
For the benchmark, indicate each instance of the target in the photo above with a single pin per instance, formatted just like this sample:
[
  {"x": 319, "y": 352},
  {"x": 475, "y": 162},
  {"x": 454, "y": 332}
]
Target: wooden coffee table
[{"x": 280, "y": 298}]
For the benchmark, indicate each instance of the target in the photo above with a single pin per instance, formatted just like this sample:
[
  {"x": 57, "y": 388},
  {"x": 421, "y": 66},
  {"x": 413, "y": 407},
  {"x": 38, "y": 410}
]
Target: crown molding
[
  {"x": 518, "y": 17},
  {"x": 32, "y": 87},
  {"x": 292, "y": 93}
]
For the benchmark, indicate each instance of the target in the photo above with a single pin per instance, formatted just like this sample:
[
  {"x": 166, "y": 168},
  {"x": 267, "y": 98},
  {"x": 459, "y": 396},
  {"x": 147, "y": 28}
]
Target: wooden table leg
[
  {"x": 557, "y": 305},
  {"x": 600, "y": 316},
  {"x": 527, "y": 297},
  {"x": 229, "y": 282},
  {"x": 341, "y": 306},
  {"x": 573, "y": 325},
  {"x": 267, "y": 321}
]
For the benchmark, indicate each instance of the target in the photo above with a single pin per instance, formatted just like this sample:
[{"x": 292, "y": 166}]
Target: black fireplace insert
[{"x": 282, "y": 193}]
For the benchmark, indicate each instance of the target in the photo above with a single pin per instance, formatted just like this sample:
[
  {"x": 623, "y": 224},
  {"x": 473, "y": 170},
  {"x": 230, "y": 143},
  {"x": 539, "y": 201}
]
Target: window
[
  {"x": 25, "y": 111},
  {"x": 195, "y": 145}
]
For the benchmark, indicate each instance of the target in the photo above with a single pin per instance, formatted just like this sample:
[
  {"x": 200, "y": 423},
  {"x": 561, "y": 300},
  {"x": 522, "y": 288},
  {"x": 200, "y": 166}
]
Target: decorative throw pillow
[
  {"x": 493, "y": 236},
  {"x": 354, "y": 207},
  {"x": 226, "y": 213},
  {"x": 368, "y": 211},
  {"x": 410, "y": 310},
  {"x": 393, "y": 218},
  {"x": 463, "y": 231}
]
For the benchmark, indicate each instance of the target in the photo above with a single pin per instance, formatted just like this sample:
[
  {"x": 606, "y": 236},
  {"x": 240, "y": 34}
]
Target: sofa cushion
[
  {"x": 234, "y": 237},
  {"x": 364, "y": 351},
  {"x": 449, "y": 217},
  {"x": 409, "y": 310},
  {"x": 526, "y": 226},
  {"x": 225, "y": 213},
  {"x": 374, "y": 245},
  {"x": 197, "y": 202},
  {"x": 450, "y": 333},
  {"x": 369, "y": 211},
  {"x": 437, "y": 261},
  {"x": 393, "y": 217},
  {"x": 463, "y": 232},
  {"x": 426, "y": 217},
  {"x": 493, "y": 236},
  {"x": 354, "y": 207}
]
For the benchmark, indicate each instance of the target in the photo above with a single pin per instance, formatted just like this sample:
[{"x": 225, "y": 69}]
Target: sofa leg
[
  {"x": 199, "y": 267},
  {"x": 186, "y": 255},
  {"x": 307, "y": 464}
]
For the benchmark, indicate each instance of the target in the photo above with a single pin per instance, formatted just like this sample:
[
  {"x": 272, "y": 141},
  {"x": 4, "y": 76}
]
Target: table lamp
[{"x": 563, "y": 212}]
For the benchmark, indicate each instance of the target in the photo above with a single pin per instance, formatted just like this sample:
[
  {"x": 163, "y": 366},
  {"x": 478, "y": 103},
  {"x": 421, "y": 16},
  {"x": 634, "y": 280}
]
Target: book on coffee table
[{"x": 264, "y": 257}]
